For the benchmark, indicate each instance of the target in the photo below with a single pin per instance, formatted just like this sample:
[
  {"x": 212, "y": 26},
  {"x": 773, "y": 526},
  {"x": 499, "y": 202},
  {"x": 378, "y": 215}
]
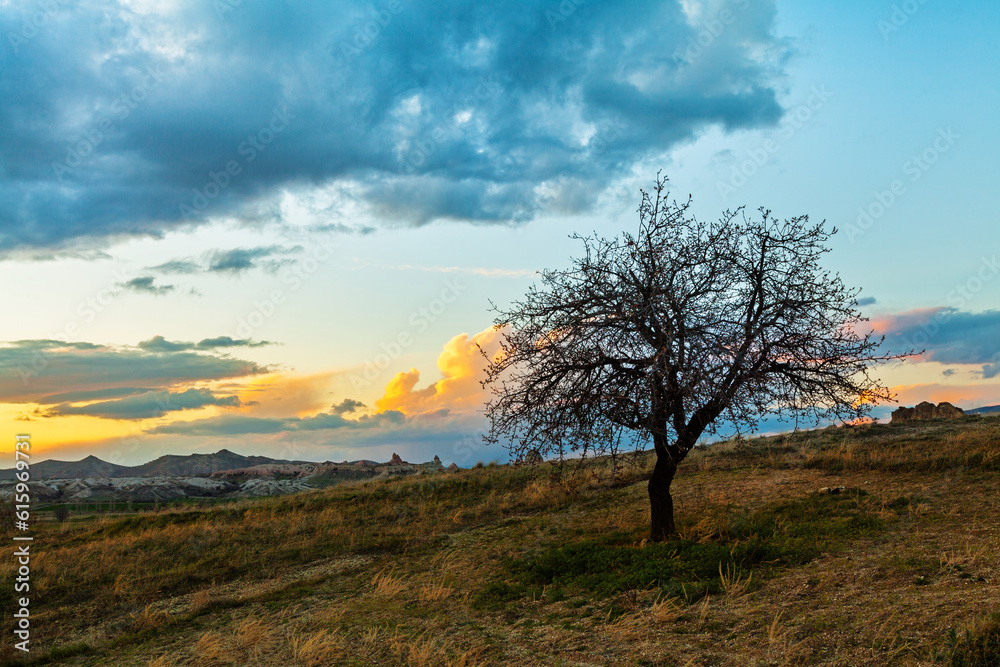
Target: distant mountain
[
  {"x": 980, "y": 411},
  {"x": 169, "y": 465},
  {"x": 172, "y": 465},
  {"x": 52, "y": 469}
]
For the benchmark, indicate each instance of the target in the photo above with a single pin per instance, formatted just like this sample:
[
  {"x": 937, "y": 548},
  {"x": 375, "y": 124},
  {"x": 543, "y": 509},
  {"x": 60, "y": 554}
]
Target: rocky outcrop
[
  {"x": 533, "y": 457},
  {"x": 925, "y": 411},
  {"x": 138, "y": 489},
  {"x": 453, "y": 468},
  {"x": 272, "y": 487},
  {"x": 275, "y": 470},
  {"x": 262, "y": 479}
]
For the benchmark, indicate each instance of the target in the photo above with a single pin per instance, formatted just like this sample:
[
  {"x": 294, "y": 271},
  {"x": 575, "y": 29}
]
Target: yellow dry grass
[{"x": 388, "y": 573}]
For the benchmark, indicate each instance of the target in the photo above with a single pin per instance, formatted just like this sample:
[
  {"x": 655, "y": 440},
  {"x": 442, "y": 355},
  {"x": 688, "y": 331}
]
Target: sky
[{"x": 278, "y": 227}]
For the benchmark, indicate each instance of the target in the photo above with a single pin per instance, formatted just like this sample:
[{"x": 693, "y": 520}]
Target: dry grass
[
  {"x": 253, "y": 636},
  {"x": 200, "y": 601},
  {"x": 317, "y": 649},
  {"x": 733, "y": 582},
  {"x": 246, "y": 583},
  {"x": 210, "y": 650},
  {"x": 423, "y": 651},
  {"x": 667, "y": 610},
  {"x": 149, "y": 619},
  {"x": 435, "y": 591},
  {"x": 387, "y": 586}
]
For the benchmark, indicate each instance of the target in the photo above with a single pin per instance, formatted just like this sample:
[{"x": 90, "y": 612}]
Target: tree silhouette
[{"x": 666, "y": 334}]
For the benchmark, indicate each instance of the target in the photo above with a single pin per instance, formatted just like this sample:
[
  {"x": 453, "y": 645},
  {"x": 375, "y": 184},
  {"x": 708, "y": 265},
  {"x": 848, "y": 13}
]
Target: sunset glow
[{"x": 209, "y": 243}]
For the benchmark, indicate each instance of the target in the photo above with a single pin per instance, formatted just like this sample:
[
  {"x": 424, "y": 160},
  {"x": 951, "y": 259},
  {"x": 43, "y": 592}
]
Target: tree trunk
[{"x": 661, "y": 504}]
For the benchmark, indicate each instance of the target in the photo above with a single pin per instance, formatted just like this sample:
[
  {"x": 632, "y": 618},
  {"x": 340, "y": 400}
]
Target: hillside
[
  {"x": 173, "y": 465},
  {"x": 513, "y": 566},
  {"x": 53, "y": 469},
  {"x": 169, "y": 465}
]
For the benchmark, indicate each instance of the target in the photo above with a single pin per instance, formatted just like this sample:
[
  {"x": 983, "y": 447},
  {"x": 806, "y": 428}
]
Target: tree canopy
[{"x": 663, "y": 335}]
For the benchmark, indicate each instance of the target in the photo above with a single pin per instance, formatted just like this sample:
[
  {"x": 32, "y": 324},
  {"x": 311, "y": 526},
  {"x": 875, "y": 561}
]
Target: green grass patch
[
  {"x": 977, "y": 646},
  {"x": 782, "y": 534}
]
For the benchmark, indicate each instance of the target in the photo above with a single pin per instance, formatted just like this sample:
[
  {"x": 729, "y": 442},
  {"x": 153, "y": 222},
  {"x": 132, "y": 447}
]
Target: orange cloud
[
  {"x": 462, "y": 368},
  {"x": 284, "y": 395},
  {"x": 882, "y": 324}
]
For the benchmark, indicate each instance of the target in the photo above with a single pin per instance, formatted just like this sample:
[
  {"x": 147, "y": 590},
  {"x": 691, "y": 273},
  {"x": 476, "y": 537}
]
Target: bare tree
[{"x": 665, "y": 335}]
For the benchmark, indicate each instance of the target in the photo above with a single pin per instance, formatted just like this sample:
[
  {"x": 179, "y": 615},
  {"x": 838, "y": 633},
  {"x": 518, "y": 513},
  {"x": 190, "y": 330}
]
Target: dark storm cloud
[
  {"x": 233, "y": 261},
  {"x": 230, "y": 425},
  {"x": 178, "y": 266},
  {"x": 223, "y": 425},
  {"x": 239, "y": 260},
  {"x": 949, "y": 336},
  {"x": 346, "y": 406},
  {"x": 147, "y": 285},
  {"x": 226, "y": 341},
  {"x": 33, "y": 370},
  {"x": 160, "y": 344},
  {"x": 95, "y": 395},
  {"x": 146, "y": 406},
  {"x": 116, "y": 122}
]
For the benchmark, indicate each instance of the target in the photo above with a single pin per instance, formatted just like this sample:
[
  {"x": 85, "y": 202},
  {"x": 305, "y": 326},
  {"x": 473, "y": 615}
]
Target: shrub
[{"x": 977, "y": 646}]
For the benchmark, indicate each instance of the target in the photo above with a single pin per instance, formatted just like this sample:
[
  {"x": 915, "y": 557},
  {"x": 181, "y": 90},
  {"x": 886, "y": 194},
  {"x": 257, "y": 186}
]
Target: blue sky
[{"x": 315, "y": 202}]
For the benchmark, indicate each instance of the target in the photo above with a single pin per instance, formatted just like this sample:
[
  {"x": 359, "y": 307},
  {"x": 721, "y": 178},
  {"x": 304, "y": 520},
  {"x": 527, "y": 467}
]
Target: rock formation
[
  {"x": 396, "y": 461},
  {"x": 925, "y": 411},
  {"x": 452, "y": 468},
  {"x": 533, "y": 457}
]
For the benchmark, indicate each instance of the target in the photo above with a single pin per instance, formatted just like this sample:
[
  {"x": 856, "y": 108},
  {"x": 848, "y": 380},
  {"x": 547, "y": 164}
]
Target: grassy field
[{"x": 503, "y": 566}]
